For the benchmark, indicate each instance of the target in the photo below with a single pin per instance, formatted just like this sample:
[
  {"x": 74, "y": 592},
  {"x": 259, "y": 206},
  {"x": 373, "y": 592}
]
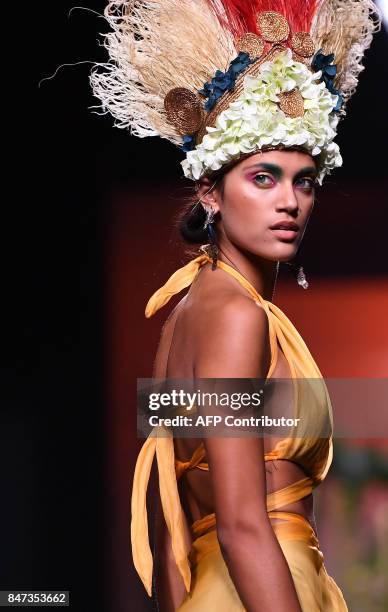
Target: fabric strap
[
  {"x": 181, "y": 279},
  {"x": 160, "y": 442}
]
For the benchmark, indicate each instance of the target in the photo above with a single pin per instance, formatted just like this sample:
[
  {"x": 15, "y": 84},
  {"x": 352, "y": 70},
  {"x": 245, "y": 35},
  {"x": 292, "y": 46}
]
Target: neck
[{"x": 261, "y": 273}]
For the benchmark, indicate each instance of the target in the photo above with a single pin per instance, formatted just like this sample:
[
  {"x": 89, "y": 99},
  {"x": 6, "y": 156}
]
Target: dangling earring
[
  {"x": 209, "y": 226},
  {"x": 301, "y": 278},
  {"x": 209, "y": 217},
  {"x": 299, "y": 274},
  {"x": 211, "y": 249}
]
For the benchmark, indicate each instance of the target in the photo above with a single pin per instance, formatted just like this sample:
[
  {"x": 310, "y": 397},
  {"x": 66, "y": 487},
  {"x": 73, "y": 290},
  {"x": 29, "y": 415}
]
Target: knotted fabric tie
[
  {"x": 183, "y": 277},
  {"x": 195, "y": 462},
  {"x": 160, "y": 442}
]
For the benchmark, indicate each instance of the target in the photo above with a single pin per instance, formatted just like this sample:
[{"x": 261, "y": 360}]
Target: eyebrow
[
  {"x": 279, "y": 172},
  {"x": 270, "y": 167},
  {"x": 308, "y": 170}
]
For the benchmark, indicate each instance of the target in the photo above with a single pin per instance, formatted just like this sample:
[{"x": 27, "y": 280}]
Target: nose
[{"x": 287, "y": 200}]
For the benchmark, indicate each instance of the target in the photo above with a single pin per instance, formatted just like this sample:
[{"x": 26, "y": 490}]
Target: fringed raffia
[
  {"x": 346, "y": 28},
  {"x": 154, "y": 47}
]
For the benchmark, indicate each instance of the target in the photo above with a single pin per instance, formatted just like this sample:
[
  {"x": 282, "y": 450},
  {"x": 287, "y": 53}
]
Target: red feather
[{"x": 239, "y": 16}]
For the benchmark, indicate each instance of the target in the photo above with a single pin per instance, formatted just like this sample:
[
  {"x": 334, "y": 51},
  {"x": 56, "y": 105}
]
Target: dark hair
[{"x": 190, "y": 220}]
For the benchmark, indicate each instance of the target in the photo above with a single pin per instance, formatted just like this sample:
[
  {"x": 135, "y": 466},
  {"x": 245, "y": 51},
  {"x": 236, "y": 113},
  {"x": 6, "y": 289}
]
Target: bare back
[{"x": 183, "y": 333}]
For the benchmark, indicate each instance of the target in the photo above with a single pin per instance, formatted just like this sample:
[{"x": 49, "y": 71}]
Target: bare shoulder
[
  {"x": 234, "y": 316},
  {"x": 232, "y": 338}
]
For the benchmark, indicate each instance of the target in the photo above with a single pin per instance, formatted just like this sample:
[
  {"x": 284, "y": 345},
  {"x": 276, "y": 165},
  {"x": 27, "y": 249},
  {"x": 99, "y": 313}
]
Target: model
[{"x": 252, "y": 92}]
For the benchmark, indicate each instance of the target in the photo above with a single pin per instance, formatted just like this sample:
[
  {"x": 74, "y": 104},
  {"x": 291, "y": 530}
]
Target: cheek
[
  {"x": 244, "y": 213},
  {"x": 307, "y": 208}
]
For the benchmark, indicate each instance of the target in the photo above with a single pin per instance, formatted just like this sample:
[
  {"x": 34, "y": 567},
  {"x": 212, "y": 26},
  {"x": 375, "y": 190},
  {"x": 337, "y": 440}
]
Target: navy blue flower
[
  {"x": 329, "y": 71},
  {"x": 188, "y": 143},
  {"x": 239, "y": 63},
  {"x": 224, "y": 81},
  {"x": 220, "y": 83}
]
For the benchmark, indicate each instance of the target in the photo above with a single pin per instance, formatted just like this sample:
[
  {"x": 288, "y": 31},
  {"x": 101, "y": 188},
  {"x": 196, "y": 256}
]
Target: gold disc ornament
[
  {"x": 291, "y": 103},
  {"x": 184, "y": 110},
  {"x": 273, "y": 26},
  {"x": 252, "y": 44},
  {"x": 303, "y": 44}
]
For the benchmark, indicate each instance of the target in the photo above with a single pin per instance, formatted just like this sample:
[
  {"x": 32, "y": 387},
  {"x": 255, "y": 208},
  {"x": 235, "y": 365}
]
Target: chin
[
  {"x": 283, "y": 253},
  {"x": 288, "y": 257}
]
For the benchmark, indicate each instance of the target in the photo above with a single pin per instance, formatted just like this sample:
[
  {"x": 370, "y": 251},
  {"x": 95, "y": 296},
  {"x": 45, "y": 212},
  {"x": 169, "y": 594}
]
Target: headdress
[{"x": 223, "y": 78}]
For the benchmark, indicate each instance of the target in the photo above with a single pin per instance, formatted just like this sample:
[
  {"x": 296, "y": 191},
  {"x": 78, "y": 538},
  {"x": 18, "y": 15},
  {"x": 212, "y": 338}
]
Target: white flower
[{"x": 255, "y": 120}]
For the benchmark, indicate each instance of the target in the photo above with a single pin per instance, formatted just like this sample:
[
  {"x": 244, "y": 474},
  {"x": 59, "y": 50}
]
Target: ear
[{"x": 208, "y": 193}]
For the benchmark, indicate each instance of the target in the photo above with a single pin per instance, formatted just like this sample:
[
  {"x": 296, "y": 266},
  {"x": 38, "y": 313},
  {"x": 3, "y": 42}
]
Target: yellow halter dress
[{"x": 202, "y": 568}]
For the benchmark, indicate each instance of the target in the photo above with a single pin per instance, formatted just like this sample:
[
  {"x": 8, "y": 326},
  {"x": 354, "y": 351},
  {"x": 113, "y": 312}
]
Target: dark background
[{"x": 68, "y": 168}]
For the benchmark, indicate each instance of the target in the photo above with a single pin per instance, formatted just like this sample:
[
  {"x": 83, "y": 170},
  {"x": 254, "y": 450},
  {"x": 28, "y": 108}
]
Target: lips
[{"x": 285, "y": 225}]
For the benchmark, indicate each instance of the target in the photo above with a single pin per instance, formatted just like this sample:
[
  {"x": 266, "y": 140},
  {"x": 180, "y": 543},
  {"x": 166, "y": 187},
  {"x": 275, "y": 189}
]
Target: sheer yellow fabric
[
  {"x": 212, "y": 587},
  {"x": 312, "y": 452},
  {"x": 164, "y": 448}
]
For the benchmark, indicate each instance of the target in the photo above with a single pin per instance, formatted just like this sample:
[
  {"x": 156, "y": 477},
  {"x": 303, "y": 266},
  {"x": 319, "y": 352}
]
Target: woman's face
[{"x": 266, "y": 202}]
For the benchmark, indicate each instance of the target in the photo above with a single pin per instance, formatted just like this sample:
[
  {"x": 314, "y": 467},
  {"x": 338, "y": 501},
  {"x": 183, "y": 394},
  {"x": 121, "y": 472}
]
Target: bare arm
[
  {"x": 238, "y": 348},
  {"x": 170, "y": 588}
]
